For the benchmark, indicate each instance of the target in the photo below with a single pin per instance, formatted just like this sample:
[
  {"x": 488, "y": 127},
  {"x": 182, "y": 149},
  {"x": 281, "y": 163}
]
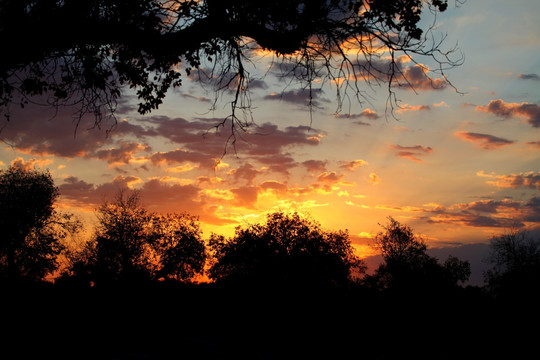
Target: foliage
[
  {"x": 515, "y": 260},
  {"x": 86, "y": 52},
  {"x": 132, "y": 244},
  {"x": 32, "y": 230},
  {"x": 286, "y": 250},
  {"x": 408, "y": 268}
]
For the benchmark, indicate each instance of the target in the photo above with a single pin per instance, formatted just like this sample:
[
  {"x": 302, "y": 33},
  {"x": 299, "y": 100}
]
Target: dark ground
[{"x": 208, "y": 322}]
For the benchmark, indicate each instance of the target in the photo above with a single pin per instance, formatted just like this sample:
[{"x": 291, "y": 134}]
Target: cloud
[
  {"x": 413, "y": 77},
  {"x": 329, "y": 177},
  {"x": 411, "y": 152},
  {"x": 534, "y": 143},
  {"x": 89, "y": 196},
  {"x": 351, "y": 165},
  {"x": 487, "y": 213},
  {"x": 374, "y": 179},
  {"x": 485, "y": 141},
  {"x": 529, "y": 77},
  {"x": 157, "y": 194},
  {"x": 365, "y": 114},
  {"x": 245, "y": 172},
  {"x": 531, "y": 112},
  {"x": 529, "y": 180},
  {"x": 35, "y": 135},
  {"x": 121, "y": 155},
  {"x": 180, "y": 156},
  {"x": 245, "y": 196},
  {"x": 31, "y": 164},
  {"x": 300, "y": 97},
  {"x": 275, "y": 186},
  {"x": 315, "y": 165},
  {"x": 406, "y": 108},
  {"x": 416, "y": 76}
]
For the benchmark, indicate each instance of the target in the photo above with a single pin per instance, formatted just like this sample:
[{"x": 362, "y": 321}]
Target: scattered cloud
[
  {"x": 374, "y": 179},
  {"x": 413, "y": 77},
  {"x": 365, "y": 114},
  {"x": 531, "y": 112},
  {"x": 300, "y": 97},
  {"x": 416, "y": 76},
  {"x": 30, "y": 164},
  {"x": 351, "y": 165},
  {"x": 123, "y": 154},
  {"x": 407, "y": 107},
  {"x": 487, "y": 213},
  {"x": 315, "y": 165},
  {"x": 529, "y": 77},
  {"x": 534, "y": 143},
  {"x": 485, "y": 141},
  {"x": 529, "y": 180},
  {"x": 411, "y": 152}
]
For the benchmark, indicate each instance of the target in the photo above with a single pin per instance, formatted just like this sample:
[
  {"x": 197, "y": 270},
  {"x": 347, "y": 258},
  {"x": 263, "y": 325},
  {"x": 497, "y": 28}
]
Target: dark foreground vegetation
[{"x": 281, "y": 289}]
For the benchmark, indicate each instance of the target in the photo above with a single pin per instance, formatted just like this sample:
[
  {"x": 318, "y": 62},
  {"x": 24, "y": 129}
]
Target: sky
[{"x": 458, "y": 163}]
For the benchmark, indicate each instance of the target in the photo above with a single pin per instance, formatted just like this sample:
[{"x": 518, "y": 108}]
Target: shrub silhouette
[{"x": 286, "y": 250}]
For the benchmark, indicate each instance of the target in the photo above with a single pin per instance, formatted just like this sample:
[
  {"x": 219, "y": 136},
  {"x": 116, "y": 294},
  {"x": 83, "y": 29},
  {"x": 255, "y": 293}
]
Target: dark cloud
[
  {"x": 488, "y": 213},
  {"x": 300, "y": 97},
  {"x": 197, "y": 98},
  {"x": 365, "y": 114},
  {"x": 273, "y": 185},
  {"x": 245, "y": 172},
  {"x": 87, "y": 195},
  {"x": 315, "y": 165},
  {"x": 411, "y": 152},
  {"x": 529, "y": 77},
  {"x": 59, "y": 136},
  {"x": 162, "y": 195},
  {"x": 485, "y": 141},
  {"x": 531, "y": 112},
  {"x": 180, "y": 156},
  {"x": 279, "y": 163}
]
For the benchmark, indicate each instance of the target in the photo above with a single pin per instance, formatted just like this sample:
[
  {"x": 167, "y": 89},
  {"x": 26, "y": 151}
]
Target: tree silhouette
[
  {"x": 134, "y": 245},
  {"x": 85, "y": 52},
  {"x": 31, "y": 229},
  {"x": 515, "y": 260},
  {"x": 408, "y": 268},
  {"x": 286, "y": 250}
]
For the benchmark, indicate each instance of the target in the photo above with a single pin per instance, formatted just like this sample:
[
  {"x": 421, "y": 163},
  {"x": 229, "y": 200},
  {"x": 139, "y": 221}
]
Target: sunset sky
[{"x": 457, "y": 166}]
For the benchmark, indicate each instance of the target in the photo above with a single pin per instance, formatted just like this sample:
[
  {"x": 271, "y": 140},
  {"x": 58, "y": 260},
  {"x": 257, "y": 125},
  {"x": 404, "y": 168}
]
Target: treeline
[
  {"x": 283, "y": 288},
  {"x": 131, "y": 245}
]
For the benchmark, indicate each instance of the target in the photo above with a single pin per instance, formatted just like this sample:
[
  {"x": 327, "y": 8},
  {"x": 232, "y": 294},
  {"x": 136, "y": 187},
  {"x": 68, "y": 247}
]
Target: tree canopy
[
  {"x": 86, "y": 52},
  {"x": 31, "y": 230},
  {"x": 515, "y": 266},
  {"x": 133, "y": 245},
  {"x": 286, "y": 250},
  {"x": 408, "y": 268}
]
